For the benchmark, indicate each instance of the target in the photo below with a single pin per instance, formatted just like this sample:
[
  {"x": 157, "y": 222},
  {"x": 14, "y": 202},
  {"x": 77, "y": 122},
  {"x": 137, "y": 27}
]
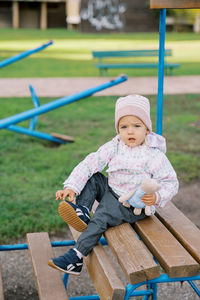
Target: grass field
[
  {"x": 70, "y": 55},
  {"x": 32, "y": 170}
]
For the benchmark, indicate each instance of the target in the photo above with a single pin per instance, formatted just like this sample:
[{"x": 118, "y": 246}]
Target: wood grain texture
[
  {"x": 1, "y": 286},
  {"x": 174, "y": 4},
  {"x": 49, "y": 281},
  {"x": 102, "y": 273},
  {"x": 182, "y": 228},
  {"x": 131, "y": 253},
  {"x": 63, "y": 137},
  {"x": 171, "y": 255}
]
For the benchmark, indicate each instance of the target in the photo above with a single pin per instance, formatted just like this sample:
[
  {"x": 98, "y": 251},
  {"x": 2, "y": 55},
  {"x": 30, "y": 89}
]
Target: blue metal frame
[
  {"x": 161, "y": 70},
  {"x": 152, "y": 286},
  {"x": 53, "y": 244},
  {"x": 24, "y": 54},
  {"x": 8, "y": 123},
  {"x": 36, "y": 103},
  {"x": 131, "y": 289}
]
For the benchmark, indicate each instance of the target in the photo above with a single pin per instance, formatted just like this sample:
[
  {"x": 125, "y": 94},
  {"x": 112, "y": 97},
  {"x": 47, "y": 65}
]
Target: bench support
[
  {"x": 152, "y": 290},
  {"x": 131, "y": 289}
]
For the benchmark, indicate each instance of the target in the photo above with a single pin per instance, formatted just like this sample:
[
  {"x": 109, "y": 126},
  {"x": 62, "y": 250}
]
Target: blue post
[
  {"x": 24, "y": 54},
  {"x": 36, "y": 103},
  {"x": 161, "y": 71},
  {"x": 58, "y": 103},
  {"x": 65, "y": 280}
]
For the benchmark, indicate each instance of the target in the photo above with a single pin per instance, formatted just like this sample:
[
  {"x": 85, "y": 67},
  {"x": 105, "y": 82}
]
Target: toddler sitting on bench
[{"x": 134, "y": 154}]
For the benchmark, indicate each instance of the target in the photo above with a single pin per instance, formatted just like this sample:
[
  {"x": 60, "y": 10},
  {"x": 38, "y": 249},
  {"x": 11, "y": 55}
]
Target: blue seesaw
[
  {"x": 32, "y": 114},
  {"x": 24, "y": 54}
]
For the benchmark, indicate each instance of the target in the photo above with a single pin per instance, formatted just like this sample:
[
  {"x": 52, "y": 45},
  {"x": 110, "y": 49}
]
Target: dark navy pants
[{"x": 110, "y": 212}]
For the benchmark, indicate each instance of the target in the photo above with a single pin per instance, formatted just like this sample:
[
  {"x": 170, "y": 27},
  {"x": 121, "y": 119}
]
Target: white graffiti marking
[{"x": 104, "y": 14}]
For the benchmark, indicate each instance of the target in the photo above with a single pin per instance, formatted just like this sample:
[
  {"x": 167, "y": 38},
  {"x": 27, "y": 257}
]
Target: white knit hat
[{"x": 134, "y": 105}]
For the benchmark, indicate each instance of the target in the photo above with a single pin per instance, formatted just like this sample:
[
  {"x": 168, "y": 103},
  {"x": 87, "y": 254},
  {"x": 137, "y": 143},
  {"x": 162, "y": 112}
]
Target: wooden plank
[
  {"x": 182, "y": 228},
  {"x": 102, "y": 273},
  {"x": 49, "y": 281},
  {"x": 171, "y": 255},
  {"x": 63, "y": 137},
  {"x": 1, "y": 286},
  {"x": 133, "y": 256},
  {"x": 174, "y": 3}
]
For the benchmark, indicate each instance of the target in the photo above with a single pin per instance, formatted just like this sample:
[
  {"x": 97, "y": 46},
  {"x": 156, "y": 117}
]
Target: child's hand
[
  {"x": 62, "y": 194},
  {"x": 149, "y": 199}
]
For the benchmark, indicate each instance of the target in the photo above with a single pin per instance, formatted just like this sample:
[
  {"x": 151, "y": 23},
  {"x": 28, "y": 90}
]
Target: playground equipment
[
  {"x": 177, "y": 233},
  {"x": 24, "y": 54},
  {"x": 8, "y": 123}
]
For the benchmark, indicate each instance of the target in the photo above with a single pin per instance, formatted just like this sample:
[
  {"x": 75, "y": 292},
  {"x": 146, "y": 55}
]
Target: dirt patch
[
  {"x": 188, "y": 200},
  {"x": 18, "y": 277}
]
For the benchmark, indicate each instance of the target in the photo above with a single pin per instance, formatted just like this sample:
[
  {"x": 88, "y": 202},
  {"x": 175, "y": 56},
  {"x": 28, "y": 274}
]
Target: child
[{"x": 134, "y": 154}]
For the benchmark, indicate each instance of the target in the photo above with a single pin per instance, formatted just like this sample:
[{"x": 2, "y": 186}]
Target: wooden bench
[
  {"x": 161, "y": 248},
  {"x": 170, "y": 236},
  {"x": 104, "y": 66},
  {"x": 49, "y": 283}
]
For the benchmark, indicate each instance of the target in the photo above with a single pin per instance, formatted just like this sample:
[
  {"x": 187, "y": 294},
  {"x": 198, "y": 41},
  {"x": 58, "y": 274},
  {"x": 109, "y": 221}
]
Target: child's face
[{"x": 132, "y": 131}]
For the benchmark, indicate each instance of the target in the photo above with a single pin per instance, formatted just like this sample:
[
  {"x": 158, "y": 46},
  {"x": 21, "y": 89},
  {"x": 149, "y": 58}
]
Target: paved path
[{"x": 59, "y": 87}]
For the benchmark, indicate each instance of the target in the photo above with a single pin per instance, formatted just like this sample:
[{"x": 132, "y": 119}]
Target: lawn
[
  {"x": 70, "y": 55},
  {"x": 32, "y": 169}
]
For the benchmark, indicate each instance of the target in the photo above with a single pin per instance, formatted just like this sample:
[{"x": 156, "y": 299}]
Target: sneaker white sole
[
  {"x": 51, "y": 264},
  {"x": 68, "y": 214}
]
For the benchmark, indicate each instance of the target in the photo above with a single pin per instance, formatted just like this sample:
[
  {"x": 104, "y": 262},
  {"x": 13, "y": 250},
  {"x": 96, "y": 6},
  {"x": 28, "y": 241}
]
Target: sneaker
[
  {"x": 74, "y": 215},
  {"x": 68, "y": 263}
]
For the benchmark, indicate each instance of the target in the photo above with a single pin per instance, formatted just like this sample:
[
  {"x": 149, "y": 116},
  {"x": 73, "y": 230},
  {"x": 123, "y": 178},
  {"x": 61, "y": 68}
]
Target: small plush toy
[{"x": 148, "y": 186}]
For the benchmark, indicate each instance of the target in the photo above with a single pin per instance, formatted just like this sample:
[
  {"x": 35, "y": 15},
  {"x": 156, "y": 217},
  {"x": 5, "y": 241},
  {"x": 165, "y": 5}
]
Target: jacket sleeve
[
  {"x": 162, "y": 171},
  {"x": 93, "y": 163}
]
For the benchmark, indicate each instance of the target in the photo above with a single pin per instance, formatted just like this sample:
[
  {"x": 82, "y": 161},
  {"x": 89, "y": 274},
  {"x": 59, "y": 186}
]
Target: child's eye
[
  {"x": 124, "y": 126},
  {"x": 137, "y": 125}
]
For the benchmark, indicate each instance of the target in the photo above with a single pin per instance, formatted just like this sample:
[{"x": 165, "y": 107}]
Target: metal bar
[
  {"x": 146, "y": 297},
  {"x": 195, "y": 288},
  {"x": 63, "y": 243},
  {"x": 58, "y": 103},
  {"x": 161, "y": 70},
  {"x": 130, "y": 292},
  {"x": 145, "y": 293},
  {"x": 24, "y": 54},
  {"x": 25, "y": 246},
  {"x": 103, "y": 241},
  {"x": 34, "y": 133},
  {"x": 65, "y": 280},
  {"x": 36, "y": 103},
  {"x": 54, "y": 244},
  {"x": 163, "y": 278},
  {"x": 155, "y": 290},
  {"x": 13, "y": 247}
]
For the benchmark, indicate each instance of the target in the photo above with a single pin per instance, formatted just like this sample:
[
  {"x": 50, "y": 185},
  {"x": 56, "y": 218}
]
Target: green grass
[
  {"x": 32, "y": 170},
  {"x": 70, "y": 55}
]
